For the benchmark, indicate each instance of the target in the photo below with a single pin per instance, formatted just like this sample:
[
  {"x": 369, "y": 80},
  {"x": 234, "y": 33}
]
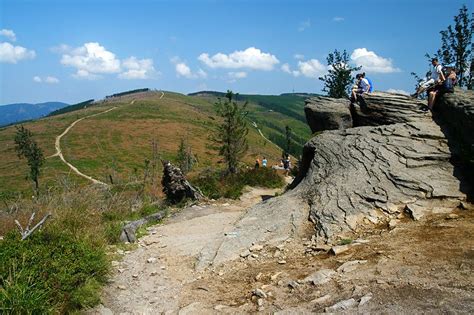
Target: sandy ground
[{"x": 415, "y": 267}]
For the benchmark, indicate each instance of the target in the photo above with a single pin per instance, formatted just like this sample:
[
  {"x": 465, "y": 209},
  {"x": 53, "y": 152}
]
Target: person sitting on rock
[
  {"x": 371, "y": 86},
  {"x": 363, "y": 87},
  {"x": 446, "y": 87},
  {"x": 429, "y": 83}
]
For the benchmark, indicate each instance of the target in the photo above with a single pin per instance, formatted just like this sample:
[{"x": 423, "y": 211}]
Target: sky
[{"x": 71, "y": 51}]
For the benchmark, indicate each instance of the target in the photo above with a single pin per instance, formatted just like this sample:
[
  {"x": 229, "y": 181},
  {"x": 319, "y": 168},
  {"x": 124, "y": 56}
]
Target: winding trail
[
  {"x": 263, "y": 136},
  {"x": 59, "y": 152}
]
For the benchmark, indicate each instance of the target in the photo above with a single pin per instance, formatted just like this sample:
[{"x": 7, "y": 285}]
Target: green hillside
[{"x": 116, "y": 144}]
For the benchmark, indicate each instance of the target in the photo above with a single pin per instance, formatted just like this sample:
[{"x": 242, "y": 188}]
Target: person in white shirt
[
  {"x": 363, "y": 87},
  {"x": 436, "y": 77}
]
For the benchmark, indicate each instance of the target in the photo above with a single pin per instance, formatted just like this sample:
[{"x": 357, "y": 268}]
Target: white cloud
[
  {"x": 91, "y": 59},
  {"x": 398, "y": 91},
  {"x": 371, "y": 62},
  {"x": 183, "y": 70},
  {"x": 286, "y": 68},
  {"x": 237, "y": 75},
  {"x": 137, "y": 68},
  {"x": 304, "y": 25},
  {"x": 312, "y": 68},
  {"x": 8, "y": 34},
  {"x": 86, "y": 75},
  {"x": 13, "y": 54},
  {"x": 47, "y": 79},
  {"x": 338, "y": 19},
  {"x": 298, "y": 56},
  {"x": 251, "y": 58}
]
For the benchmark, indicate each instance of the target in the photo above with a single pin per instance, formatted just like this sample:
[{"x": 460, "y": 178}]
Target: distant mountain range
[{"x": 13, "y": 113}]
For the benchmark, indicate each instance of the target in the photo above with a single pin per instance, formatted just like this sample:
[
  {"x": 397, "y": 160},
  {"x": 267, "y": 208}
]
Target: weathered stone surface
[
  {"x": 381, "y": 108},
  {"x": 320, "y": 277},
  {"x": 356, "y": 173},
  {"x": 325, "y": 113},
  {"x": 129, "y": 230},
  {"x": 175, "y": 185},
  {"x": 341, "y": 306}
]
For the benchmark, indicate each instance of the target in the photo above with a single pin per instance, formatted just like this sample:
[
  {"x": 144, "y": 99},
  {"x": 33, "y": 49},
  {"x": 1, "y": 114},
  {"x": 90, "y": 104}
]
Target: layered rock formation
[{"x": 325, "y": 113}]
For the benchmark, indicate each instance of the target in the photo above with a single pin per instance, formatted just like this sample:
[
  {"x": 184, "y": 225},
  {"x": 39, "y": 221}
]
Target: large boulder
[
  {"x": 325, "y": 113},
  {"x": 382, "y": 108}
]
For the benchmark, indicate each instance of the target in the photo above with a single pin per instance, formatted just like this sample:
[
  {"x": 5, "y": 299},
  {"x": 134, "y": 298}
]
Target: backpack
[{"x": 371, "y": 85}]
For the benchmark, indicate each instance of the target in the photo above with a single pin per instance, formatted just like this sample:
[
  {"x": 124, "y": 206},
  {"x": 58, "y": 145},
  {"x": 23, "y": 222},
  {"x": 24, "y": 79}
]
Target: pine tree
[
  {"x": 456, "y": 43},
  {"x": 338, "y": 81},
  {"x": 231, "y": 134},
  {"x": 27, "y": 148}
]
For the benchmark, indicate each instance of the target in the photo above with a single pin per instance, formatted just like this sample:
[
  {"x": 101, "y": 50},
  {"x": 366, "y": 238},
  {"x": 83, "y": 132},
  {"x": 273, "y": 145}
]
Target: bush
[{"x": 214, "y": 185}]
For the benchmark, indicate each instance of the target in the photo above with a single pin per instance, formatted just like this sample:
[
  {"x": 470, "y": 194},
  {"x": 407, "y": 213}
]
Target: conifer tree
[
  {"x": 338, "y": 81},
  {"x": 231, "y": 134}
]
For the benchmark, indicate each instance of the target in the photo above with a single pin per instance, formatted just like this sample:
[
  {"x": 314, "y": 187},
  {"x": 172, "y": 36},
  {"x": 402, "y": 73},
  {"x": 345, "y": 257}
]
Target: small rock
[
  {"x": 465, "y": 205},
  {"x": 256, "y": 248},
  {"x": 322, "y": 299},
  {"x": 277, "y": 254},
  {"x": 258, "y": 276},
  {"x": 259, "y": 293},
  {"x": 336, "y": 250},
  {"x": 245, "y": 253},
  {"x": 225, "y": 204},
  {"x": 163, "y": 267},
  {"x": 220, "y": 307},
  {"x": 293, "y": 284},
  {"x": 281, "y": 246},
  {"x": 275, "y": 276},
  {"x": 282, "y": 262},
  {"x": 151, "y": 260},
  {"x": 153, "y": 273},
  {"x": 357, "y": 291},
  {"x": 121, "y": 287},
  {"x": 120, "y": 252},
  {"x": 150, "y": 241},
  {"x": 260, "y": 302},
  {"x": 393, "y": 223},
  {"x": 341, "y": 306},
  {"x": 414, "y": 211},
  {"x": 350, "y": 265},
  {"x": 452, "y": 216},
  {"x": 115, "y": 263},
  {"x": 102, "y": 310},
  {"x": 380, "y": 281},
  {"x": 254, "y": 255},
  {"x": 135, "y": 276},
  {"x": 320, "y": 277},
  {"x": 121, "y": 270},
  {"x": 366, "y": 298},
  {"x": 321, "y": 247}
]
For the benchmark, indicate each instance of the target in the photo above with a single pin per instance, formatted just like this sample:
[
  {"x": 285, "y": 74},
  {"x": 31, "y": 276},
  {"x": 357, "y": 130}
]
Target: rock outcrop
[
  {"x": 396, "y": 159},
  {"x": 175, "y": 186},
  {"x": 324, "y": 113}
]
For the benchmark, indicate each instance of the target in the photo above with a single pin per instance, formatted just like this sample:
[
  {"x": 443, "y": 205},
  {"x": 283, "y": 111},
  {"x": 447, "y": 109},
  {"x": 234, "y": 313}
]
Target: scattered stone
[
  {"x": 465, "y": 205},
  {"x": 256, "y": 248},
  {"x": 361, "y": 241},
  {"x": 277, "y": 254},
  {"x": 282, "y": 262},
  {"x": 320, "y": 277},
  {"x": 366, "y": 298},
  {"x": 258, "y": 276},
  {"x": 150, "y": 241},
  {"x": 102, "y": 310},
  {"x": 275, "y": 276},
  {"x": 341, "y": 306},
  {"x": 452, "y": 216},
  {"x": 281, "y": 247},
  {"x": 121, "y": 270},
  {"x": 260, "y": 302},
  {"x": 153, "y": 273},
  {"x": 254, "y": 255},
  {"x": 163, "y": 267},
  {"x": 339, "y": 249},
  {"x": 380, "y": 281},
  {"x": 393, "y": 223},
  {"x": 151, "y": 260},
  {"x": 220, "y": 307},
  {"x": 193, "y": 308},
  {"x": 225, "y": 204},
  {"x": 120, "y": 252},
  {"x": 121, "y": 287},
  {"x": 245, "y": 253},
  {"x": 259, "y": 293},
  {"x": 293, "y": 284},
  {"x": 115, "y": 263},
  {"x": 322, "y": 247},
  {"x": 135, "y": 276},
  {"x": 350, "y": 265},
  {"x": 414, "y": 211},
  {"x": 321, "y": 300}
]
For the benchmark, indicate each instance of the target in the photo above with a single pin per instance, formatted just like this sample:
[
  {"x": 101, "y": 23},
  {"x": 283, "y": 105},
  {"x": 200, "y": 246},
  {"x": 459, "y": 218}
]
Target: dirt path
[{"x": 414, "y": 267}]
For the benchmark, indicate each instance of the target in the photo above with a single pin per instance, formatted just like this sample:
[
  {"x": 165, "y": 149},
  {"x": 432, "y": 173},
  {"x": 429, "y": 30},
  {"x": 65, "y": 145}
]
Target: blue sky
[{"x": 76, "y": 50}]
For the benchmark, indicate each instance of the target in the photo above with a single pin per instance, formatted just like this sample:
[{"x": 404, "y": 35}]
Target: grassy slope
[{"x": 119, "y": 141}]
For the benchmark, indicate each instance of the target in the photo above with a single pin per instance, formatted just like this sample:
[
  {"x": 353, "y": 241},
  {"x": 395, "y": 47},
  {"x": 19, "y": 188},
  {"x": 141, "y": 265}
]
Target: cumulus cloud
[
  {"x": 13, "y": 54},
  {"x": 312, "y": 68},
  {"x": 338, "y": 19},
  {"x": 237, "y": 75},
  {"x": 8, "y": 34},
  {"x": 137, "y": 69},
  {"x": 86, "y": 75},
  {"x": 91, "y": 59},
  {"x": 397, "y": 91},
  {"x": 250, "y": 58},
  {"x": 47, "y": 79},
  {"x": 183, "y": 70},
  {"x": 298, "y": 56},
  {"x": 371, "y": 62},
  {"x": 304, "y": 25}
]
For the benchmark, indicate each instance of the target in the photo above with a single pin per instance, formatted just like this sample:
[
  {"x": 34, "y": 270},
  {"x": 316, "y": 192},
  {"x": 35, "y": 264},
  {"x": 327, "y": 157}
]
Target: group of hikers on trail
[
  {"x": 285, "y": 164},
  {"x": 361, "y": 86},
  {"x": 441, "y": 80}
]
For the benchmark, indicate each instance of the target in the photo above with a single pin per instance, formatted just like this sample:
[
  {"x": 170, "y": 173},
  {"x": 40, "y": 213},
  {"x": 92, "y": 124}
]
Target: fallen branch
[
  {"x": 129, "y": 230},
  {"x": 27, "y": 232}
]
